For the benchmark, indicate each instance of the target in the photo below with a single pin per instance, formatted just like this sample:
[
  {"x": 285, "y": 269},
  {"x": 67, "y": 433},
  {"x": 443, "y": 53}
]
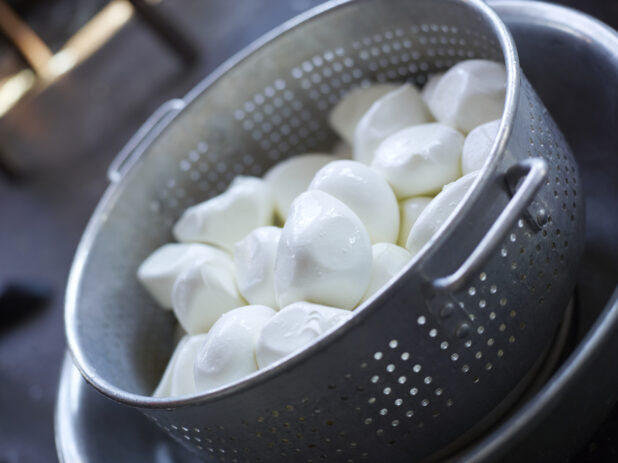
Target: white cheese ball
[
  {"x": 223, "y": 220},
  {"x": 228, "y": 354},
  {"x": 183, "y": 382},
  {"x": 324, "y": 254},
  {"x": 254, "y": 259},
  {"x": 394, "y": 111},
  {"x": 430, "y": 86},
  {"x": 437, "y": 212},
  {"x": 469, "y": 94},
  {"x": 477, "y": 146},
  {"x": 419, "y": 160},
  {"x": 365, "y": 192},
  {"x": 161, "y": 268},
  {"x": 164, "y": 387},
  {"x": 409, "y": 210},
  {"x": 178, "y": 377},
  {"x": 203, "y": 292},
  {"x": 388, "y": 260},
  {"x": 294, "y": 327},
  {"x": 291, "y": 177},
  {"x": 345, "y": 115}
]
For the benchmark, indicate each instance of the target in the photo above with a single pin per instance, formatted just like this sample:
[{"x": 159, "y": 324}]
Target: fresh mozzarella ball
[
  {"x": 477, "y": 146},
  {"x": 254, "y": 259},
  {"x": 469, "y": 94},
  {"x": 164, "y": 389},
  {"x": 291, "y": 177},
  {"x": 294, "y": 327},
  {"x": 394, "y": 111},
  {"x": 225, "y": 219},
  {"x": 428, "y": 89},
  {"x": 345, "y": 115},
  {"x": 178, "y": 377},
  {"x": 419, "y": 160},
  {"x": 409, "y": 210},
  {"x": 365, "y": 192},
  {"x": 388, "y": 260},
  {"x": 202, "y": 293},
  {"x": 324, "y": 254},
  {"x": 438, "y": 211},
  {"x": 161, "y": 268},
  {"x": 342, "y": 150},
  {"x": 182, "y": 378},
  {"x": 228, "y": 354}
]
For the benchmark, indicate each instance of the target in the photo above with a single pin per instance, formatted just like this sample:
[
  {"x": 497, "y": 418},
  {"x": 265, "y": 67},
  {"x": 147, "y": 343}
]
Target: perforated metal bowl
[{"x": 428, "y": 361}]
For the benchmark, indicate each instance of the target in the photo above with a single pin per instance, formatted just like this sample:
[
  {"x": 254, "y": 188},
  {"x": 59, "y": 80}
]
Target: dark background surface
[{"x": 63, "y": 142}]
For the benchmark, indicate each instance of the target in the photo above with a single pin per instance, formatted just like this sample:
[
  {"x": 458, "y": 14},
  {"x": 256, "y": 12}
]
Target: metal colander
[{"x": 427, "y": 362}]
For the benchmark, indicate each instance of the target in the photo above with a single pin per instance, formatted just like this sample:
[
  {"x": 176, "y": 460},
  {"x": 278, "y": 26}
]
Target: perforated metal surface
[{"x": 398, "y": 381}]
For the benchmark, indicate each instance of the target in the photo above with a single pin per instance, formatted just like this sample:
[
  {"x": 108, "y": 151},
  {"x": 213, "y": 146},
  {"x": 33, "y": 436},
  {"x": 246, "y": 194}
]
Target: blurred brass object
[
  {"x": 14, "y": 87},
  {"x": 91, "y": 36},
  {"x": 48, "y": 67},
  {"x": 31, "y": 47}
]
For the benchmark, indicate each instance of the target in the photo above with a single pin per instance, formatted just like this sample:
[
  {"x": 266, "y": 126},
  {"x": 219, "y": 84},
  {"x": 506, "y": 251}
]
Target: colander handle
[
  {"x": 533, "y": 171},
  {"x": 138, "y": 143}
]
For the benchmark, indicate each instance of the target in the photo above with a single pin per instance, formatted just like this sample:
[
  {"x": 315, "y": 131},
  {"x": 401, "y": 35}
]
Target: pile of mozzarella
[{"x": 248, "y": 293}]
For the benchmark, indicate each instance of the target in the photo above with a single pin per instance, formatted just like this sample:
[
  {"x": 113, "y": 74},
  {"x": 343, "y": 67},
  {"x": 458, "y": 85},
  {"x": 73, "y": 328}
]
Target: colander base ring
[{"x": 81, "y": 413}]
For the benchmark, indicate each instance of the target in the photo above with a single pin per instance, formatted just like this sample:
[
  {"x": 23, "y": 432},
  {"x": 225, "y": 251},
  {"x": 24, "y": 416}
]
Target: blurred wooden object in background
[{"x": 45, "y": 66}]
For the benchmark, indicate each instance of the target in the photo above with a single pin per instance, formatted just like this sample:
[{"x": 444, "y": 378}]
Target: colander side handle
[
  {"x": 144, "y": 136},
  {"x": 533, "y": 171}
]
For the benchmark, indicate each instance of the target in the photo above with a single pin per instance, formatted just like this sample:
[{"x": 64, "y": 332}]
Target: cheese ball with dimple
[
  {"x": 177, "y": 379},
  {"x": 223, "y": 220},
  {"x": 291, "y": 177},
  {"x": 351, "y": 108},
  {"x": 437, "y": 212},
  {"x": 202, "y": 293},
  {"x": 430, "y": 86},
  {"x": 294, "y": 327},
  {"x": 469, "y": 94},
  {"x": 254, "y": 260},
  {"x": 419, "y": 160},
  {"x": 477, "y": 146},
  {"x": 183, "y": 382},
  {"x": 324, "y": 253},
  {"x": 409, "y": 210},
  {"x": 161, "y": 268},
  {"x": 365, "y": 192},
  {"x": 388, "y": 260},
  {"x": 164, "y": 388},
  {"x": 396, "y": 110},
  {"x": 228, "y": 353}
]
